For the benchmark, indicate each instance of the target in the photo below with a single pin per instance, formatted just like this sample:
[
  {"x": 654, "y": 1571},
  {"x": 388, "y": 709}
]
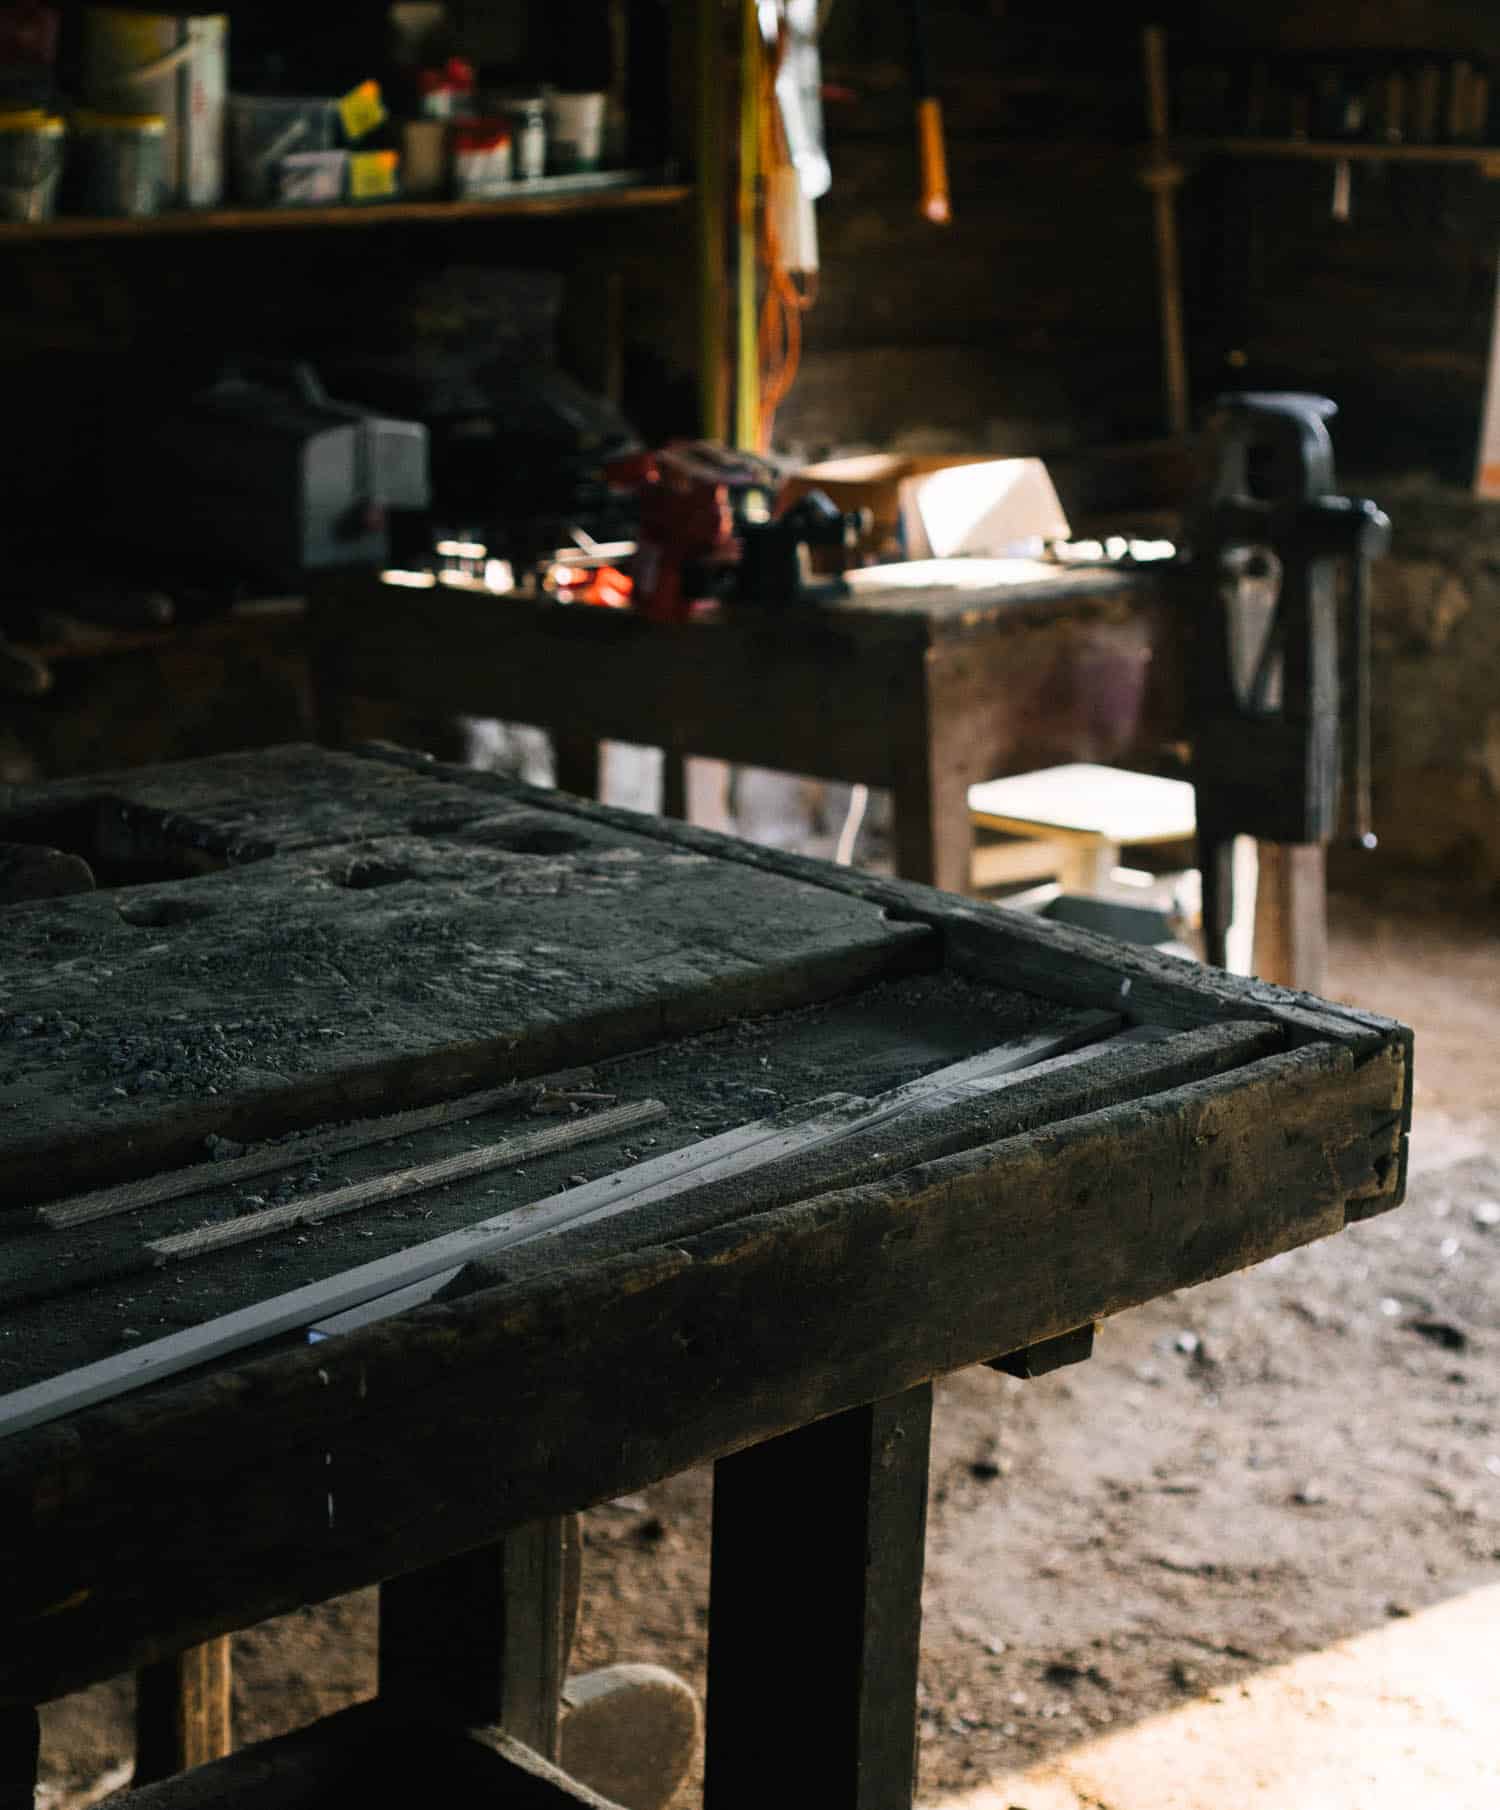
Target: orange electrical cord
[{"x": 784, "y": 302}]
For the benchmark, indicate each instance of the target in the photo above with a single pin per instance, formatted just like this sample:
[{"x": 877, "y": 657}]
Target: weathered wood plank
[
  {"x": 816, "y": 1598},
  {"x": 490, "y": 1407},
  {"x": 327, "y": 981},
  {"x": 329, "y": 1203},
  {"x": 1075, "y": 967},
  {"x": 151, "y": 1190}
]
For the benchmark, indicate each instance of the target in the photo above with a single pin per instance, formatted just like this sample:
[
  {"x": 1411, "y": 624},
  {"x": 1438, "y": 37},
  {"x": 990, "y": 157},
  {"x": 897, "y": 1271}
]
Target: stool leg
[
  {"x": 815, "y": 1609},
  {"x": 20, "y": 1749},
  {"x": 182, "y": 1711},
  {"x": 1087, "y": 866}
]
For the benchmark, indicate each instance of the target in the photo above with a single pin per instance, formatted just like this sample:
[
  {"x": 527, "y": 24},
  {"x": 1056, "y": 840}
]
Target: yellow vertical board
[{"x": 709, "y": 160}]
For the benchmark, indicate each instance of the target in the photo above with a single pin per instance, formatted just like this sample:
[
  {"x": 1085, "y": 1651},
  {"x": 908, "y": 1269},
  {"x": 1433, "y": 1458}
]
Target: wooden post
[
  {"x": 183, "y": 1712},
  {"x": 709, "y": 174},
  {"x": 483, "y": 1637},
  {"x": 933, "y": 834},
  {"x": 1163, "y": 178},
  {"x": 1291, "y": 915},
  {"x": 20, "y": 1749},
  {"x": 576, "y": 763},
  {"x": 815, "y": 1612},
  {"x": 674, "y": 785}
]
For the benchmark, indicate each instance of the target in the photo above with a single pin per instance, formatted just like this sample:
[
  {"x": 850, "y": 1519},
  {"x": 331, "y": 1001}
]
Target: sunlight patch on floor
[{"x": 1405, "y": 1715}]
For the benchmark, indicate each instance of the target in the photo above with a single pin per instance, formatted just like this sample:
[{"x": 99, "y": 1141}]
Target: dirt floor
[{"x": 1245, "y": 1473}]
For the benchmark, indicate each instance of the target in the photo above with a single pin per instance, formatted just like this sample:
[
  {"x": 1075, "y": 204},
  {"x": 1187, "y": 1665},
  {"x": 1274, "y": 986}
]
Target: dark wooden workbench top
[{"x": 296, "y": 937}]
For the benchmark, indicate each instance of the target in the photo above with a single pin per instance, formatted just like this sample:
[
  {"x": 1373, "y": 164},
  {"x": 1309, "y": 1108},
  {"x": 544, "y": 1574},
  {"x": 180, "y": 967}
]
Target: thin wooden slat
[
  {"x": 836, "y": 1116},
  {"x": 114, "y": 1376},
  {"x": 330, "y": 1203},
  {"x": 155, "y": 1190}
]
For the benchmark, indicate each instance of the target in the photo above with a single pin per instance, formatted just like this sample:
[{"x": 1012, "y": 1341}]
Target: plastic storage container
[
  {"x": 265, "y": 129},
  {"x": 31, "y": 160},
  {"x": 174, "y": 65}
]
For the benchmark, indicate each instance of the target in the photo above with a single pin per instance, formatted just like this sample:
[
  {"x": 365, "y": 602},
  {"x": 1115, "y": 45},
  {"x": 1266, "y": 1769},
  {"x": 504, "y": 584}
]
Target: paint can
[
  {"x": 31, "y": 156},
  {"x": 173, "y": 65},
  {"x": 575, "y": 132},
  {"x": 483, "y": 158},
  {"x": 118, "y": 164}
]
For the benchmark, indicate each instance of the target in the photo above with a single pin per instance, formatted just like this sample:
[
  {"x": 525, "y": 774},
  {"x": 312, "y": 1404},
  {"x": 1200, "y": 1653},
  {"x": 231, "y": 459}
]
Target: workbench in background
[
  {"x": 925, "y": 692},
  {"x": 285, "y": 939}
]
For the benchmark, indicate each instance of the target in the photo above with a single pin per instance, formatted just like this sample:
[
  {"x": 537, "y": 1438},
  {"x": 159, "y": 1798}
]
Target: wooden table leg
[
  {"x": 20, "y": 1749},
  {"x": 815, "y": 1611},
  {"x": 674, "y": 784},
  {"x": 932, "y": 749},
  {"x": 483, "y": 1637},
  {"x": 182, "y": 1711},
  {"x": 576, "y": 763},
  {"x": 1291, "y": 915}
]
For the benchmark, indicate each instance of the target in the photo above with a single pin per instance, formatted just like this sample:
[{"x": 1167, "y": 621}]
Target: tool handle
[
  {"x": 1154, "y": 49},
  {"x": 933, "y": 156}
]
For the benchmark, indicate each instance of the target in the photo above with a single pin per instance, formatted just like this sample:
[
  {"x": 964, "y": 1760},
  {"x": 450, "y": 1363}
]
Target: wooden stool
[{"x": 1073, "y": 821}]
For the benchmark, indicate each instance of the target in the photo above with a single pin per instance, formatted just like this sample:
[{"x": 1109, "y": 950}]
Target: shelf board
[
  {"x": 1334, "y": 150},
  {"x": 527, "y": 204}
]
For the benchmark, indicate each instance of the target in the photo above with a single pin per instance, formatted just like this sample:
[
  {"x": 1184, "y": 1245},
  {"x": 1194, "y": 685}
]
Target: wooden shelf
[
  {"x": 1334, "y": 150},
  {"x": 529, "y": 203}
]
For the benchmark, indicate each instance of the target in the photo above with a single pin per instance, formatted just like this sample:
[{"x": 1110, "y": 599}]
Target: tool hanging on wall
[
  {"x": 932, "y": 155},
  {"x": 1281, "y": 676}
]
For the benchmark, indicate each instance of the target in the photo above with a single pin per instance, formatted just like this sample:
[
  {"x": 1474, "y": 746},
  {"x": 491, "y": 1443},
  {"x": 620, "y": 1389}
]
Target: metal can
[
  {"x": 31, "y": 154},
  {"x": 530, "y": 117},
  {"x": 119, "y": 163}
]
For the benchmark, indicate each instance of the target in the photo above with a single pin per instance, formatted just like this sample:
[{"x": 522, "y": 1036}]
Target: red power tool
[{"x": 692, "y": 493}]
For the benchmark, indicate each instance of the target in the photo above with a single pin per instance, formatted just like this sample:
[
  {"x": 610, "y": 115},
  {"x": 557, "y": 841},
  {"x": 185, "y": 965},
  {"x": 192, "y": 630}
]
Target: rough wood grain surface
[
  {"x": 609, "y": 1358},
  {"x": 308, "y": 1472},
  {"x": 151, "y": 1190},
  {"x": 368, "y": 942},
  {"x": 332, "y": 1202},
  {"x": 1076, "y": 967}
]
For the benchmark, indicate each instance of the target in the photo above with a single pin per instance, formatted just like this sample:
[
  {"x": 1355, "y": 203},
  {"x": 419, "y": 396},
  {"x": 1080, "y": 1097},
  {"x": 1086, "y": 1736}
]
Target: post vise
[{"x": 1280, "y": 673}]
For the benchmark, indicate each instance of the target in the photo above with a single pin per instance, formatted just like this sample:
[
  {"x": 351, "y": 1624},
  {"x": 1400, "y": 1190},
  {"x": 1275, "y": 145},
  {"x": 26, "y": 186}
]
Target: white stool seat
[{"x": 1082, "y": 800}]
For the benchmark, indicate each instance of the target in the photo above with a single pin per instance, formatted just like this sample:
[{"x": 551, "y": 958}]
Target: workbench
[
  {"x": 926, "y": 692},
  {"x": 971, "y": 1136}
]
